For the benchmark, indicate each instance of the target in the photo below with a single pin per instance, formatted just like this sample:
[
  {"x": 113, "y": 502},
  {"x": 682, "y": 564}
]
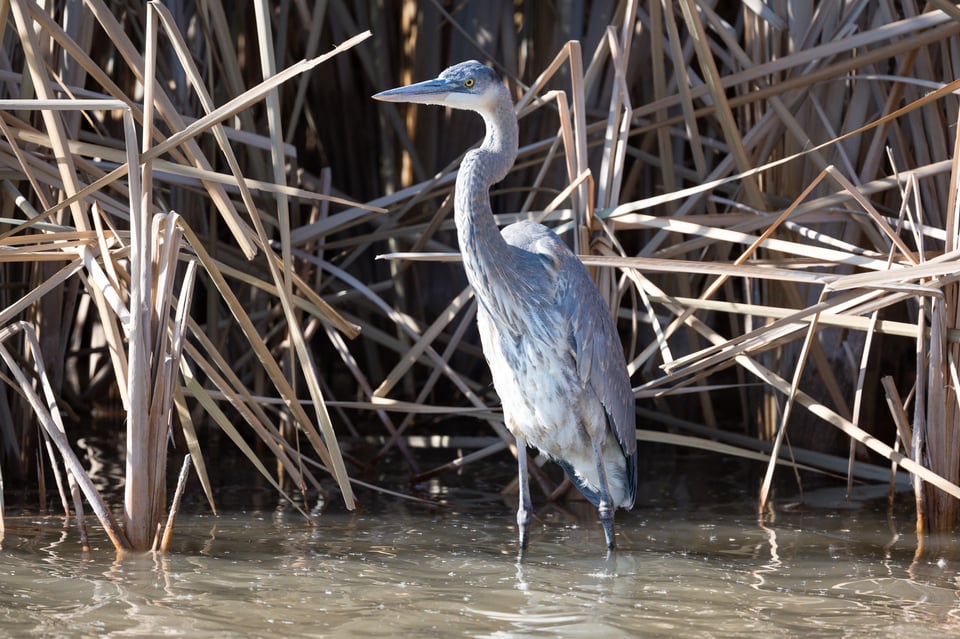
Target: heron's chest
[
  {"x": 538, "y": 388},
  {"x": 532, "y": 368}
]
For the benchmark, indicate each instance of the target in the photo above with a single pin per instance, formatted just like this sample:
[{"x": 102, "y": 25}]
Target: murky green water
[{"x": 403, "y": 572}]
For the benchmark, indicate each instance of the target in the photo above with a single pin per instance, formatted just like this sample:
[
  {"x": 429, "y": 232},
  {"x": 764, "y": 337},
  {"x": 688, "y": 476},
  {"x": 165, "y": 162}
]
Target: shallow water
[{"x": 679, "y": 571}]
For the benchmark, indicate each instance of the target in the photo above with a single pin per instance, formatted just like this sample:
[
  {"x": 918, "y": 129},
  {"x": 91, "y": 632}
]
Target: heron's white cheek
[{"x": 461, "y": 100}]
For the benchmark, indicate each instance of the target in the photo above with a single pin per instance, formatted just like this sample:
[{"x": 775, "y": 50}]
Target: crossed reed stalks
[{"x": 768, "y": 204}]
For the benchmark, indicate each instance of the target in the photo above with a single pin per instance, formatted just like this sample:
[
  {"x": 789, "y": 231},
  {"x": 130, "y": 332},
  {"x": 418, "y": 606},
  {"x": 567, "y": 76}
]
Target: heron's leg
[
  {"x": 605, "y": 507},
  {"x": 524, "y": 510}
]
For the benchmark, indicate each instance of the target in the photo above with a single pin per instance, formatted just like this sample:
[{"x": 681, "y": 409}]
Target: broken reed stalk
[
  {"x": 49, "y": 416},
  {"x": 175, "y": 505}
]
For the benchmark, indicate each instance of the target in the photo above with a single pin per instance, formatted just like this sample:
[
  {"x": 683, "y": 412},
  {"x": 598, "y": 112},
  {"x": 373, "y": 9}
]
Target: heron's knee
[
  {"x": 605, "y": 509},
  {"x": 523, "y": 516}
]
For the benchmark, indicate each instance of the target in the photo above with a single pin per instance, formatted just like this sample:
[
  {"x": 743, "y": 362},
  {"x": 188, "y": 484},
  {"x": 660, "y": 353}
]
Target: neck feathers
[{"x": 481, "y": 244}]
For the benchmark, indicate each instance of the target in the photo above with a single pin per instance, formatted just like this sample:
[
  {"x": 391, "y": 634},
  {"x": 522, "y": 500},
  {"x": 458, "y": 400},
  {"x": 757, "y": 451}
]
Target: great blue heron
[{"x": 548, "y": 336}]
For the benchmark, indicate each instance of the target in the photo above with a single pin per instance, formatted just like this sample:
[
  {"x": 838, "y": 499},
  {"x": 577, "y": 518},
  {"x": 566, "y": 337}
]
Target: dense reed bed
[{"x": 766, "y": 193}]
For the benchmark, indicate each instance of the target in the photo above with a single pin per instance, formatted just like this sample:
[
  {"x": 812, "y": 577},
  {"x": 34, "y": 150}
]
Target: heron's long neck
[{"x": 484, "y": 249}]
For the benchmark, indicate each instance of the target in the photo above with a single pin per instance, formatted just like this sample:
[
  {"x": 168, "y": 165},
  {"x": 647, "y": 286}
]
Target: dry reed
[{"x": 767, "y": 199}]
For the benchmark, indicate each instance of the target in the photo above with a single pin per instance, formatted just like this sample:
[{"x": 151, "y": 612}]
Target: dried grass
[
  {"x": 134, "y": 276},
  {"x": 768, "y": 205}
]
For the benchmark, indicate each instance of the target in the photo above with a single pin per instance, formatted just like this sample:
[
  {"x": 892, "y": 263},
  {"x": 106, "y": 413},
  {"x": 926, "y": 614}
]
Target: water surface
[{"x": 703, "y": 571}]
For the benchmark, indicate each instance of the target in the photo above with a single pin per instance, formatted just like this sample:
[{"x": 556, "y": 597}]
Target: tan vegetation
[{"x": 767, "y": 192}]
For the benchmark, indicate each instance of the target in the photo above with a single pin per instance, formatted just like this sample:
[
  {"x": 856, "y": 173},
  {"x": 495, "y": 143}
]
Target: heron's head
[{"x": 468, "y": 85}]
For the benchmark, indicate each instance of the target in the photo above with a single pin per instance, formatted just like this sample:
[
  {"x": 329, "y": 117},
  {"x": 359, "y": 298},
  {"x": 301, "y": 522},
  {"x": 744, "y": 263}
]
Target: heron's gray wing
[
  {"x": 599, "y": 353},
  {"x": 592, "y": 334}
]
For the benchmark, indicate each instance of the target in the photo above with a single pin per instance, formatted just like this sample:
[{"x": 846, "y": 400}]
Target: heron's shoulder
[{"x": 536, "y": 238}]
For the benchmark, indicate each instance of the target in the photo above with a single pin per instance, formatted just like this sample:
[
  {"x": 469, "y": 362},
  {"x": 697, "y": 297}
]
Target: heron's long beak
[{"x": 428, "y": 92}]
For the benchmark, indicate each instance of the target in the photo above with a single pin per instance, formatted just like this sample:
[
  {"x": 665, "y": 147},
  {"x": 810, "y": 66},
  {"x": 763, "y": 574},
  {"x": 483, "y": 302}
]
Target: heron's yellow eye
[{"x": 469, "y": 82}]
